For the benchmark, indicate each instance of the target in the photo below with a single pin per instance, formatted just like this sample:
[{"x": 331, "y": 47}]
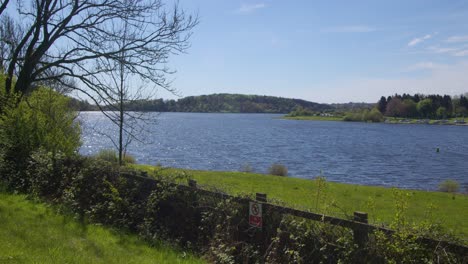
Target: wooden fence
[{"x": 359, "y": 224}]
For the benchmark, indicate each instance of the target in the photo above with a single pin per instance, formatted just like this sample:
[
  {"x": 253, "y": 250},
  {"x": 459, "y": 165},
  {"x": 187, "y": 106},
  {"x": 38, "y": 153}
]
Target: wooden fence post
[
  {"x": 361, "y": 234},
  {"x": 192, "y": 183},
  {"x": 261, "y": 197}
]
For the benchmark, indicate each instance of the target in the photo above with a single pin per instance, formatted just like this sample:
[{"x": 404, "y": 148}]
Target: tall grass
[{"x": 112, "y": 156}]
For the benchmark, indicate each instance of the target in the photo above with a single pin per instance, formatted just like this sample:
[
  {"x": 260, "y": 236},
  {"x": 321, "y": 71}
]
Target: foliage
[
  {"x": 450, "y": 186},
  {"x": 404, "y": 245},
  {"x": 441, "y": 112},
  {"x": 423, "y": 106},
  {"x": 278, "y": 170},
  {"x": 41, "y": 120},
  {"x": 231, "y": 103},
  {"x": 300, "y": 111},
  {"x": 365, "y": 115}
]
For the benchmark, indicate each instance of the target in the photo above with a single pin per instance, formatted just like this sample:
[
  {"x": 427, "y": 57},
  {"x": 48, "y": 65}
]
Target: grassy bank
[
  {"x": 450, "y": 210},
  {"x": 32, "y": 233}
]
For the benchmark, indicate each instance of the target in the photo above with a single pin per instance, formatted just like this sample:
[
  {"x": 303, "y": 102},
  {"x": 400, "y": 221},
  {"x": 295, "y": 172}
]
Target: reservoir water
[{"x": 362, "y": 153}]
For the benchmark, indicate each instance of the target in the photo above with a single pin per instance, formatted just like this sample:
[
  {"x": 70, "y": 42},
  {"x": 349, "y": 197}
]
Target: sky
[{"x": 325, "y": 51}]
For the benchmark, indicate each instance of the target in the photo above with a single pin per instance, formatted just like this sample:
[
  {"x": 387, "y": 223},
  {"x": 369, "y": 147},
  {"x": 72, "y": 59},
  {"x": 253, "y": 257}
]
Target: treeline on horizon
[
  {"x": 215, "y": 103},
  {"x": 423, "y": 106},
  {"x": 403, "y": 106}
]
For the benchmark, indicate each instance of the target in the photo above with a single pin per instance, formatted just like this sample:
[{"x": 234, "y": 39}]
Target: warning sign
[{"x": 255, "y": 214}]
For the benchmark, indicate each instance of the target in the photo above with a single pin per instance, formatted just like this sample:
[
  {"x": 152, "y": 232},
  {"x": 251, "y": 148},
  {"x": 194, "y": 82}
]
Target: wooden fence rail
[{"x": 360, "y": 226}]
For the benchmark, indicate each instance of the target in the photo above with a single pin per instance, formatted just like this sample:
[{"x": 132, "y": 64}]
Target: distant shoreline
[{"x": 388, "y": 120}]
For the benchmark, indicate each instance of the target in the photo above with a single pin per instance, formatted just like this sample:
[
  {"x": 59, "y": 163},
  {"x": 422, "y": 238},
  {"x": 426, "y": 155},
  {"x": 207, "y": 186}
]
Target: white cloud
[
  {"x": 416, "y": 41},
  {"x": 457, "y": 52},
  {"x": 457, "y": 39},
  {"x": 437, "y": 49},
  {"x": 423, "y": 66},
  {"x": 350, "y": 29},
  {"x": 449, "y": 79},
  {"x": 249, "y": 8},
  {"x": 461, "y": 53}
]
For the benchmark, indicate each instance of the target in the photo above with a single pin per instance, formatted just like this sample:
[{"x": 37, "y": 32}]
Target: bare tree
[
  {"x": 65, "y": 41},
  {"x": 122, "y": 93},
  {"x": 3, "y": 5}
]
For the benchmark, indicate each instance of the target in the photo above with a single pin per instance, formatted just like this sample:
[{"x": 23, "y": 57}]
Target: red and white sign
[{"x": 255, "y": 214}]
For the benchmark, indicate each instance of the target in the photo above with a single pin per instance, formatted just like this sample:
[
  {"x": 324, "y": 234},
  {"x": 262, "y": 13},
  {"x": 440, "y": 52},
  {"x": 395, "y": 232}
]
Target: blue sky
[{"x": 325, "y": 51}]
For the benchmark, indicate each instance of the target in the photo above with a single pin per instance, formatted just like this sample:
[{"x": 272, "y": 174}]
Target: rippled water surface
[{"x": 371, "y": 154}]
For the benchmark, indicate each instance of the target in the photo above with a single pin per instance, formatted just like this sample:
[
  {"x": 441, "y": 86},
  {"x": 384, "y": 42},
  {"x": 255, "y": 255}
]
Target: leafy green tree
[
  {"x": 374, "y": 116},
  {"x": 424, "y": 108},
  {"x": 409, "y": 108},
  {"x": 40, "y": 121},
  {"x": 441, "y": 112}
]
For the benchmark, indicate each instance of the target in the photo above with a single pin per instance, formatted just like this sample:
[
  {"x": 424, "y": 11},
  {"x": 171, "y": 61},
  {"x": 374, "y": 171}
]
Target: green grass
[
  {"x": 32, "y": 233},
  {"x": 451, "y": 210}
]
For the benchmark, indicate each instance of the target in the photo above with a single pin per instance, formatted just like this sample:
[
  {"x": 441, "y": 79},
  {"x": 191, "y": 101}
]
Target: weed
[
  {"x": 450, "y": 186},
  {"x": 278, "y": 170}
]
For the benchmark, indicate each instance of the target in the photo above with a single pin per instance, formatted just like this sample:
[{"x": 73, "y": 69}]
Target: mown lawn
[
  {"x": 450, "y": 210},
  {"x": 32, "y": 232}
]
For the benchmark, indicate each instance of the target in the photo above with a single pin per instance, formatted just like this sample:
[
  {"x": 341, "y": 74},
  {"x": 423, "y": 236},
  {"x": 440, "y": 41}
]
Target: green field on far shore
[
  {"x": 388, "y": 120},
  {"x": 338, "y": 199},
  {"x": 32, "y": 232}
]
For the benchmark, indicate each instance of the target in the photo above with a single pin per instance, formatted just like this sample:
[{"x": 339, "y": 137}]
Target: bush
[
  {"x": 300, "y": 111},
  {"x": 246, "y": 168},
  {"x": 278, "y": 169},
  {"x": 41, "y": 120},
  {"x": 365, "y": 115},
  {"x": 450, "y": 186}
]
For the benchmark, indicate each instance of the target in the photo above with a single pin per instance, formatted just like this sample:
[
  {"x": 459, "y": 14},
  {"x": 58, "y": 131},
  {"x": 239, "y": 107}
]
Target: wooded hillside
[{"x": 220, "y": 103}]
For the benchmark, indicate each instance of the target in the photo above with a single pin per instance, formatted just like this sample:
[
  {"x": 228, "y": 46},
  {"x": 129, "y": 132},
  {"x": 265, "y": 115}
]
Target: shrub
[
  {"x": 246, "y": 168},
  {"x": 300, "y": 111},
  {"x": 278, "y": 169},
  {"x": 365, "y": 115},
  {"x": 40, "y": 120},
  {"x": 450, "y": 186}
]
